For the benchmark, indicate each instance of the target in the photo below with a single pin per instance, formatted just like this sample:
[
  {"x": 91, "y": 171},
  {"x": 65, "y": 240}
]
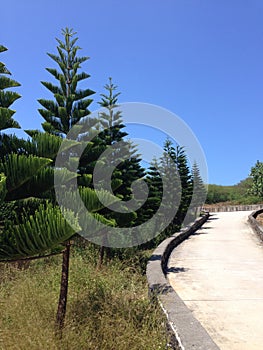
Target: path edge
[
  {"x": 186, "y": 332},
  {"x": 254, "y": 224}
]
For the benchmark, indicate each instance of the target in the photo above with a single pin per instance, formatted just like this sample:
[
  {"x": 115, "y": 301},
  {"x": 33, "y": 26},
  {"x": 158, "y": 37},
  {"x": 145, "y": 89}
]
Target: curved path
[{"x": 218, "y": 273}]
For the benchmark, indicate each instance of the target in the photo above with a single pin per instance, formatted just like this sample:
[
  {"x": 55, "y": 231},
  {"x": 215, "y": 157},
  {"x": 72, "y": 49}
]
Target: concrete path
[{"x": 218, "y": 273}]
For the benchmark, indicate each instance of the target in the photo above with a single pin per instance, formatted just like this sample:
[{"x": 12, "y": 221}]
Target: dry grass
[
  {"x": 260, "y": 219},
  {"x": 107, "y": 309}
]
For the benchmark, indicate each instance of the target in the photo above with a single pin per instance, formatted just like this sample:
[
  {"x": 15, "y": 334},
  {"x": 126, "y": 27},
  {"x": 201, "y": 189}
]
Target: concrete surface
[
  {"x": 184, "y": 331},
  {"x": 218, "y": 273}
]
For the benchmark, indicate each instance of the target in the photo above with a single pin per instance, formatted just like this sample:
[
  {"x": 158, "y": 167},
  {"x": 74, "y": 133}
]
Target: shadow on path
[{"x": 176, "y": 269}]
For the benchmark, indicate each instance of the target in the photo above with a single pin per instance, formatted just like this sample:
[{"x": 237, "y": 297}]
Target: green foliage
[
  {"x": 120, "y": 157},
  {"x": 29, "y": 165},
  {"x": 25, "y": 172},
  {"x": 7, "y": 98},
  {"x": 71, "y": 104},
  {"x": 35, "y": 234},
  {"x": 199, "y": 188},
  {"x": 42, "y": 182},
  {"x": 155, "y": 186},
  {"x": 20, "y": 168},
  {"x": 256, "y": 174},
  {"x": 3, "y": 190},
  {"x": 11, "y": 144},
  {"x": 91, "y": 198},
  {"x": 235, "y": 194},
  {"x": 218, "y": 193},
  {"x": 170, "y": 182},
  {"x": 44, "y": 145},
  {"x": 186, "y": 180},
  {"x": 174, "y": 168}
]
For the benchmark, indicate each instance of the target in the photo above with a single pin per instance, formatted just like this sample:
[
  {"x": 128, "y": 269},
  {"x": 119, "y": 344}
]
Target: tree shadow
[
  {"x": 176, "y": 269},
  {"x": 155, "y": 257},
  {"x": 202, "y": 230},
  {"x": 212, "y": 218}
]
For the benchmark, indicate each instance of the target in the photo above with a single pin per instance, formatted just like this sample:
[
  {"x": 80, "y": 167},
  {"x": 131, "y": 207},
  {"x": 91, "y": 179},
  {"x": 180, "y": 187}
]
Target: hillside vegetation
[{"x": 236, "y": 194}]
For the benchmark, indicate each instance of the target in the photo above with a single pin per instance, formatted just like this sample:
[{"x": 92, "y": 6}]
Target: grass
[{"x": 107, "y": 309}]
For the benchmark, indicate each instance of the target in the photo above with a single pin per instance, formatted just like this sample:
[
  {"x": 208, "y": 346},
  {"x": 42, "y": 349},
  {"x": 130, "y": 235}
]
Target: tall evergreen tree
[
  {"x": 186, "y": 182},
  {"x": 111, "y": 124},
  {"x": 256, "y": 174},
  {"x": 199, "y": 190},
  {"x": 71, "y": 103},
  {"x": 164, "y": 183},
  {"x": 122, "y": 155},
  {"x": 155, "y": 186},
  {"x": 171, "y": 173},
  {"x": 150, "y": 208},
  {"x": 116, "y": 157},
  {"x": 7, "y": 98},
  {"x": 111, "y": 119}
]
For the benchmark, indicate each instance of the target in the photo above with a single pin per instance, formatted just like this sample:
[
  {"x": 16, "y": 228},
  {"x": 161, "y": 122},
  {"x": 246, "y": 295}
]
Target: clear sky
[{"x": 200, "y": 59}]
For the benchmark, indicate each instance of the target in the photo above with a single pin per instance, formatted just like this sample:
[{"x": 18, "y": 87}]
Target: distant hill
[{"x": 235, "y": 194}]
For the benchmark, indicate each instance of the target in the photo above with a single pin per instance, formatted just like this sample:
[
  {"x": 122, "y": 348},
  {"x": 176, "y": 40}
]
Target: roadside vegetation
[{"x": 108, "y": 309}]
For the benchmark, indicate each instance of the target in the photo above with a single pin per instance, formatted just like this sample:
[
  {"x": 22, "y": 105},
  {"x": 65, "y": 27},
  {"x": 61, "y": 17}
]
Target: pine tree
[
  {"x": 122, "y": 155},
  {"x": 175, "y": 168},
  {"x": 132, "y": 172},
  {"x": 170, "y": 173},
  {"x": 256, "y": 174},
  {"x": 7, "y": 98},
  {"x": 111, "y": 119},
  {"x": 120, "y": 160},
  {"x": 186, "y": 183},
  {"x": 155, "y": 186},
  {"x": 71, "y": 103},
  {"x": 199, "y": 190},
  {"x": 111, "y": 124}
]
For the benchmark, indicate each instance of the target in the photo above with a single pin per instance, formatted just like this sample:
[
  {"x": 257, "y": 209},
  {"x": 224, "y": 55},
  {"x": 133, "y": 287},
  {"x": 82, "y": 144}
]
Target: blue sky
[{"x": 200, "y": 59}]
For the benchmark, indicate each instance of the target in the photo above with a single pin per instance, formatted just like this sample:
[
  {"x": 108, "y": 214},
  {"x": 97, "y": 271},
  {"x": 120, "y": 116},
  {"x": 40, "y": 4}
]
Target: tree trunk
[
  {"x": 62, "y": 303},
  {"x": 103, "y": 249},
  {"x": 101, "y": 256}
]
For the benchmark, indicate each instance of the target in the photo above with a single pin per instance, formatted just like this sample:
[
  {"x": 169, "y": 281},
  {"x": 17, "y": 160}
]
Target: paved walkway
[{"x": 218, "y": 273}]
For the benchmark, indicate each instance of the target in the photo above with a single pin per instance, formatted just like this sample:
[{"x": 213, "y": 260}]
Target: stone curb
[
  {"x": 248, "y": 207},
  {"x": 187, "y": 332},
  {"x": 254, "y": 223}
]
